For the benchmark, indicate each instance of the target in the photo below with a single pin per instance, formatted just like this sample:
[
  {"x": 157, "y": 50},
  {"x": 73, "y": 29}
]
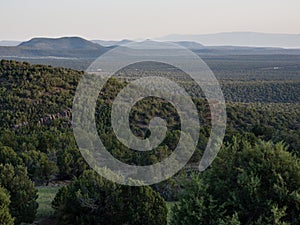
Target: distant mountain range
[
  {"x": 78, "y": 53},
  {"x": 187, "y": 44},
  {"x": 9, "y": 43},
  {"x": 69, "y": 48},
  {"x": 192, "y": 41},
  {"x": 251, "y": 39},
  {"x": 75, "y": 43},
  {"x": 65, "y": 47},
  {"x": 112, "y": 43}
]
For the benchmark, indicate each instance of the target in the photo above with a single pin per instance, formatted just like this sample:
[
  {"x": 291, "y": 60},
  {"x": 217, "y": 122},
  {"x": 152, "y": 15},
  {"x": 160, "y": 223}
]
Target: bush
[
  {"x": 40, "y": 169},
  {"x": 251, "y": 184},
  {"x": 23, "y": 195},
  {"x": 91, "y": 199},
  {"x": 8, "y": 155}
]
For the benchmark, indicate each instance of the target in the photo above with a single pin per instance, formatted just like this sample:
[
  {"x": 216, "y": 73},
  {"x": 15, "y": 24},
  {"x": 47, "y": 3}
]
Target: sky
[{"x": 140, "y": 19}]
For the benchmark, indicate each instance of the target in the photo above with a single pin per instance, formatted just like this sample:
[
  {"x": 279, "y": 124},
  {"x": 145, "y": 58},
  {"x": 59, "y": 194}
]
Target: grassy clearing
[{"x": 46, "y": 196}]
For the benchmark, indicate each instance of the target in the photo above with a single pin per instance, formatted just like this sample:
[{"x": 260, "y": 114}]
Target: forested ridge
[{"x": 37, "y": 147}]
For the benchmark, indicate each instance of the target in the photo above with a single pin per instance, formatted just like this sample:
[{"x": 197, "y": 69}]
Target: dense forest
[{"x": 254, "y": 180}]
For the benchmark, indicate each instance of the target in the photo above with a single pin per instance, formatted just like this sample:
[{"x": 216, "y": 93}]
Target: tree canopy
[
  {"x": 251, "y": 184},
  {"x": 91, "y": 199}
]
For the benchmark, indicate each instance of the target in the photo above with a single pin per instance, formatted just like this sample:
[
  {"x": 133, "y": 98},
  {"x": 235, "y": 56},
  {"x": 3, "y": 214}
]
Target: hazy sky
[{"x": 118, "y": 19}]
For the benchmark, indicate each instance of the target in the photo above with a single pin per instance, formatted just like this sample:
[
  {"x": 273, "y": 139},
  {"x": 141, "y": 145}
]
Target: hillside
[
  {"x": 37, "y": 95},
  {"x": 36, "y": 132},
  {"x": 29, "y": 92},
  {"x": 32, "y": 92}
]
